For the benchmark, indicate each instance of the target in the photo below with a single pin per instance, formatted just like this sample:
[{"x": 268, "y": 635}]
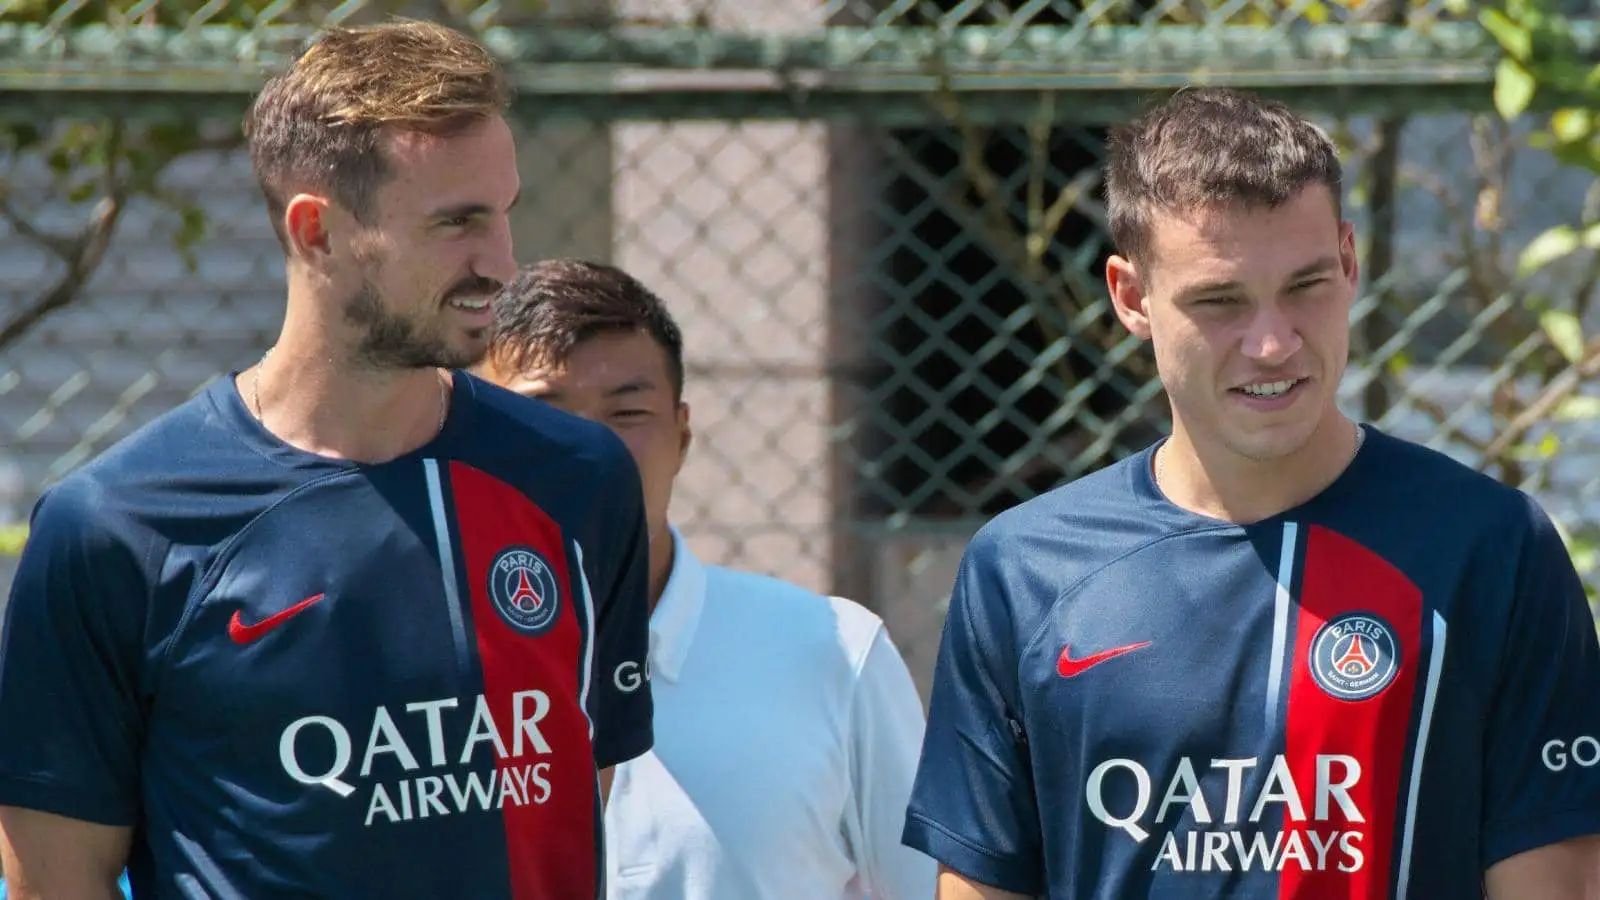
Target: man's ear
[
  {"x": 1128, "y": 296},
  {"x": 1348, "y": 261},
  {"x": 305, "y": 221},
  {"x": 685, "y": 433}
]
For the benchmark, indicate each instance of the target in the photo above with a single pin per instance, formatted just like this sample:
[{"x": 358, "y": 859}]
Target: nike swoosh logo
[
  {"x": 1071, "y": 668},
  {"x": 244, "y": 634}
]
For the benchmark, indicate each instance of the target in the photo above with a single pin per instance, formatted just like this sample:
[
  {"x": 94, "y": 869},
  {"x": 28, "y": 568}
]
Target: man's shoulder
[
  {"x": 114, "y": 519},
  {"x": 1050, "y": 540},
  {"x": 512, "y": 430},
  {"x": 1420, "y": 477},
  {"x": 175, "y": 452},
  {"x": 1096, "y": 498},
  {"x": 782, "y": 612},
  {"x": 776, "y": 594},
  {"x": 159, "y": 446}
]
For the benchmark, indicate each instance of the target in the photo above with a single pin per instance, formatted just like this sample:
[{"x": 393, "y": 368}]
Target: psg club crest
[
  {"x": 522, "y": 587},
  {"x": 1354, "y": 656}
]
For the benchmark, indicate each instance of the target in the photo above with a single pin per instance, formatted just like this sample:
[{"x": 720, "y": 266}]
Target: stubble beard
[{"x": 391, "y": 341}]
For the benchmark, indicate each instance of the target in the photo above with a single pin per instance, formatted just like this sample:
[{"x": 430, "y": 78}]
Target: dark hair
[
  {"x": 317, "y": 125},
  {"x": 553, "y": 306},
  {"x": 1207, "y": 147}
]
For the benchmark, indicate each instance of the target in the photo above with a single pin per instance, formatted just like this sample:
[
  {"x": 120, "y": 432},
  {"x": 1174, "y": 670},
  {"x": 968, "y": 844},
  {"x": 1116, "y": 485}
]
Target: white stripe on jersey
[
  {"x": 585, "y": 673},
  {"x": 1280, "y": 622},
  {"x": 447, "y": 560},
  {"x": 1429, "y": 696}
]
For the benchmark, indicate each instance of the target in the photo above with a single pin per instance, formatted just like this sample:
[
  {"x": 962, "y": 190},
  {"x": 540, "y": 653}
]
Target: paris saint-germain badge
[
  {"x": 522, "y": 587},
  {"x": 1354, "y": 656}
]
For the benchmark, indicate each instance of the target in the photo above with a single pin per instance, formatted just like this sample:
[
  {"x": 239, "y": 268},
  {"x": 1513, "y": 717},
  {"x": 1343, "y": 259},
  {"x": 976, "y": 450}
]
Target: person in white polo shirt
[{"x": 787, "y": 727}]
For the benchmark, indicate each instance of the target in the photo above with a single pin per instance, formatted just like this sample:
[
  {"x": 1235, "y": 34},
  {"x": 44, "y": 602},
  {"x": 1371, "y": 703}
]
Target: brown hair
[
  {"x": 553, "y": 306},
  {"x": 317, "y": 125},
  {"x": 1207, "y": 147}
]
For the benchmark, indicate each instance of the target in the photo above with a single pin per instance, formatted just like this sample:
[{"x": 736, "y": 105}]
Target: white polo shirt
[{"x": 787, "y": 732}]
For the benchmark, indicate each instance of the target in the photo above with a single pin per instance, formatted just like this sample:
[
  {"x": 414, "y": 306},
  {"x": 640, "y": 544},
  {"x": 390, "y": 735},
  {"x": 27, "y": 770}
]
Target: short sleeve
[
  {"x": 886, "y": 729},
  {"x": 623, "y": 706},
  {"x": 1542, "y": 771},
  {"x": 973, "y": 806},
  {"x": 70, "y": 652}
]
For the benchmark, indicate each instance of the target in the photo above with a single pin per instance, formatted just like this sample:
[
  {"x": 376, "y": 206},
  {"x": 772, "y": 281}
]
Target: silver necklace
[
  {"x": 1361, "y": 436},
  {"x": 255, "y": 394}
]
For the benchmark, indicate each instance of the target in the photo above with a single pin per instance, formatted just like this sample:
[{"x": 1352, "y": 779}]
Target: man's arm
[
  {"x": 973, "y": 807},
  {"x": 606, "y": 775},
  {"x": 955, "y": 886},
  {"x": 1569, "y": 870},
  {"x": 886, "y": 730},
  {"x": 1541, "y": 806},
  {"x": 70, "y": 702},
  {"x": 621, "y": 705},
  {"x": 46, "y": 856}
]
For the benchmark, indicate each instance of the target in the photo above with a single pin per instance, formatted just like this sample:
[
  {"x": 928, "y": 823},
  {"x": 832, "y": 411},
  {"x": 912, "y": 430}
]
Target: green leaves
[
  {"x": 1514, "y": 87},
  {"x": 1569, "y": 126},
  {"x": 12, "y": 538},
  {"x": 1541, "y": 54},
  {"x": 99, "y": 166},
  {"x": 1576, "y": 408},
  {"x": 1564, "y": 331},
  {"x": 1555, "y": 243},
  {"x": 1515, "y": 38}
]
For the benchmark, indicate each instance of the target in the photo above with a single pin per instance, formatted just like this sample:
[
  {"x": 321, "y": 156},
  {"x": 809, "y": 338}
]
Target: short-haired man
[
  {"x": 1277, "y": 654},
  {"x": 787, "y": 726},
  {"x": 333, "y": 627}
]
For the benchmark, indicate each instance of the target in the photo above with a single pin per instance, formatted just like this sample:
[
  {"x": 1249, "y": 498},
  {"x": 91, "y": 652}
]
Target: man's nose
[
  {"x": 1271, "y": 337},
  {"x": 498, "y": 259}
]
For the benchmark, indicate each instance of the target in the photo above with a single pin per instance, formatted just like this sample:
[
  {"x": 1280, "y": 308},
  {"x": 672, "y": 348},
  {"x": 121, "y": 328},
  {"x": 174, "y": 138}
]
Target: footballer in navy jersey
[
  {"x": 301, "y": 676},
  {"x": 1377, "y": 694},
  {"x": 1277, "y": 655},
  {"x": 348, "y": 623}
]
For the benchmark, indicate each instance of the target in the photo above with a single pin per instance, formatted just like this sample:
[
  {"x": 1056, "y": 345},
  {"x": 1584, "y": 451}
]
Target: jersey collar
[{"x": 673, "y": 624}]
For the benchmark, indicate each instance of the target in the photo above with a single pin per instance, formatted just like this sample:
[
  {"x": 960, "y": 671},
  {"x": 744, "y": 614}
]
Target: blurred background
[{"x": 880, "y": 223}]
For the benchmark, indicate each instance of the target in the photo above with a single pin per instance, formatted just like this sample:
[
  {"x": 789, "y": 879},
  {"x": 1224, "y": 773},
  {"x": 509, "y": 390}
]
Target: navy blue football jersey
[
  {"x": 296, "y": 676},
  {"x": 1377, "y": 694}
]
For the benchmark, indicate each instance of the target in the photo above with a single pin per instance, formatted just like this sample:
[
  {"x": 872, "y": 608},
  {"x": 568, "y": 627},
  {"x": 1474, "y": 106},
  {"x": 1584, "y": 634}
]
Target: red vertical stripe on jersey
[
  {"x": 1340, "y": 576},
  {"x": 549, "y": 834}
]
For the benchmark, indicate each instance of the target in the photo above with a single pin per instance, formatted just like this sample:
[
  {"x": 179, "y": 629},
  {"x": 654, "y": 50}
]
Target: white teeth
[
  {"x": 1270, "y": 389},
  {"x": 464, "y": 303}
]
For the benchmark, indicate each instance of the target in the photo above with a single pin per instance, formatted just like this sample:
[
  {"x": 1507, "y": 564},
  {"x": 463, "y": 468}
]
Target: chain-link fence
[{"x": 883, "y": 240}]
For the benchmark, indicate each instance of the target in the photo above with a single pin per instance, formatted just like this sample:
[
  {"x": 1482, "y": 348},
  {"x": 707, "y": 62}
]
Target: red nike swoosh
[
  {"x": 244, "y": 634},
  {"x": 1069, "y": 667}
]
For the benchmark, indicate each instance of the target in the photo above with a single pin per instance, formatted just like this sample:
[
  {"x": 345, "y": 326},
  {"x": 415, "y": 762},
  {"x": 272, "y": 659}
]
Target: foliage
[
  {"x": 101, "y": 166},
  {"x": 1541, "y": 65},
  {"x": 98, "y": 168},
  {"x": 12, "y": 537}
]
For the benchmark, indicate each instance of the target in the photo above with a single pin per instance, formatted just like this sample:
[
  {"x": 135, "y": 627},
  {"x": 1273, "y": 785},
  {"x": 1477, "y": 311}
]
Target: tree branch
[
  {"x": 1561, "y": 387},
  {"x": 88, "y": 251},
  {"x": 1441, "y": 417},
  {"x": 60, "y": 247},
  {"x": 82, "y": 253},
  {"x": 1382, "y": 171},
  {"x": 1024, "y": 249}
]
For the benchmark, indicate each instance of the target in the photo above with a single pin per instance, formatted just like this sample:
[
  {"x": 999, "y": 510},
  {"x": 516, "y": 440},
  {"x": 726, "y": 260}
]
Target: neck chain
[
  {"x": 1361, "y": 436},
  {"x": 255, "y": 394}
]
